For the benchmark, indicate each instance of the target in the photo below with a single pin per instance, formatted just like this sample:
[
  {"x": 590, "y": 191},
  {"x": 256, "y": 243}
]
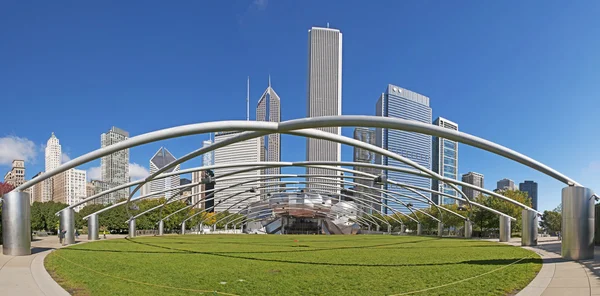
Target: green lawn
[{"x": 292, "y": 265}]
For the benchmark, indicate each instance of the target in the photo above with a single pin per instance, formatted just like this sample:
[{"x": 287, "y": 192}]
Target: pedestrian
[
  {"x": 60, "y": 237},
  {"x": 76, "y": 233},
  {"x": 104, "y": 234}
]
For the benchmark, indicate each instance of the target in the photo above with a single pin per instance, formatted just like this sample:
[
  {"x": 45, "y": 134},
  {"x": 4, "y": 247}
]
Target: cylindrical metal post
[
  {"x": 132, "y": 228},
  {"x": 402, "y": 229},
  {"x": 67, "y": 222},
  {"x": 468, "y": 229},
  {"x": 161, "y": 227},
  {"x": 504, "y": 229},
  {"x": 529, "y": 232},
  {"x": 419, "y": 229},
  {"x": 183, "y": 228},
  {"x": 577, "y": 223},
  {"x": 440, "y": 229},
  {"x": 16, "y": 224},
  {"x": 93, "y": 228}
]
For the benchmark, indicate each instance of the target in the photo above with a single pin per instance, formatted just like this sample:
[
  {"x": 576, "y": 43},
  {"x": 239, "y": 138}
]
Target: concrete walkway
[
  {"x": 26, "y": 275},
  {"x": 561, "y": 277}
]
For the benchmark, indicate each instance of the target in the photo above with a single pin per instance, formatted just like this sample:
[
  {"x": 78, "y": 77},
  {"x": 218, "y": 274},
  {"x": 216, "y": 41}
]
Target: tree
[
  {"x": 486, "y": 220},
  {"x": 551, "y": 221},
  {"x": 5, "y": 188}
]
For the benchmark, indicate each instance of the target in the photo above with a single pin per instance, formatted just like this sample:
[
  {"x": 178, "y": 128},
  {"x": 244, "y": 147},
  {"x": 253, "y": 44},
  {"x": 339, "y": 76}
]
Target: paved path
[
  {"x": 561, "y": 277},
  {"x": 26, "y": 275}
]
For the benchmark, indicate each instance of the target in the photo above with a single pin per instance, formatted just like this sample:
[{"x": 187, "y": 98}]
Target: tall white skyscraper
[
  {"x": 52, "y": 160},
  {"x": 245, "y": 151},
  {"x": 268, "y": 109},
  {"x": 115, "y": 167},
  {"x": 160, "y": 159},
  {"x": 207, "y": 158},
  {"x": 324, "y": 92}
]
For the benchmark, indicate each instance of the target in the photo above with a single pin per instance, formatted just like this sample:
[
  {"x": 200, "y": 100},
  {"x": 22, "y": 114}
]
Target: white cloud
[
  {"x": 64, "y": 158},
  {"x": 12, "y": 148},
  {"x": 261, "y": 4},
  {"x": 137, "y": 172},
  {"x": 94, "y": 173}
]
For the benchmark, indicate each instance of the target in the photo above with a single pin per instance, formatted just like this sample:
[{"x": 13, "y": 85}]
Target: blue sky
[{"x": 523, "y": 75}]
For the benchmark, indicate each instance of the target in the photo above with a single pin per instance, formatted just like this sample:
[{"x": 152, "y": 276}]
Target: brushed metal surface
[
  {"x": 67, "y": 223},
  {"x": 504, "y": 229},
  {"x": 440, "y": 229},
  {"x": 161, "y": 227},
  {"x": 93, "y": 228},
  {"x": 16, "y": 224},
  {"x": 468, "y": 229},
  {"x": 577, "y": 223},
  {"x": 529, "y": 232},
  {"x": 419, "y": 229},
  {"x": 131, "y": 228}
]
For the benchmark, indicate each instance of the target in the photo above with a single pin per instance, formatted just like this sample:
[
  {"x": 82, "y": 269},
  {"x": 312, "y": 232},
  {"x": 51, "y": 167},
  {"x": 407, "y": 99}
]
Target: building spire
[{"x": 269, "y": 80}]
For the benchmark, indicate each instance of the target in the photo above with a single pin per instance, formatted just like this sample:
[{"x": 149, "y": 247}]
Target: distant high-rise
[
  {"x": 324, "y": 96},
  {"x": 16, "y": 176},
  {"x": 207, "y": 158},
  {"x": 531, "y": 188},
  {"x": 161, "y": 158},
  {"x": 115, "y": 167},
  {"x": 366, "y": 135},
  {"x": 401, "y": 103},
  {"x": 505, "y": 184},
  {"x": 37, "y": 190},
  {"x": 53, "y": 154},
  {"x": 268, "y": 109},
  {"x": 445, "y": 162},
  {"x": 245, "y": 151},
  {"x": 69, "y": 187},
  {"x": 473, "y": 179}
]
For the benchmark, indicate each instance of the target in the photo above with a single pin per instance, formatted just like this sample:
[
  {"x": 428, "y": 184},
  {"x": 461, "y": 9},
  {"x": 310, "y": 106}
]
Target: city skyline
[{"x": 458, "y": 80}]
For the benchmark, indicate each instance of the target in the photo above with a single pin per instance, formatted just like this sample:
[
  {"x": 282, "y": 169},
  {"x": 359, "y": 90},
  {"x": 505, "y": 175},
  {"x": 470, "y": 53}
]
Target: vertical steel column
[
  {"x": 504, "y": 229},
  {"x": 529, "y": 232},
  {"x": 93, "y": 228},
  {"x": 16, "y": 224},
  {"x": 440, "y": 229},
  {"x": 67, "y": 222},
  {"x": 577, "y": 223},
  {"x": 468, "y": 229},
  {"x": 132, "y": 228},
  {"x": 402, "y": 229},
  {"x": 419, "y": 229},
  {"x": 161, "y": 227},
  {"x": 183, "y": 228}
]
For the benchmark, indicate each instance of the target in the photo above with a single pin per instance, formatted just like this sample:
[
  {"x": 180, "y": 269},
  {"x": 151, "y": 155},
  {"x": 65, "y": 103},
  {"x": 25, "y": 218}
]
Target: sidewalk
[
  {"x": 26, "y": 275},
  {"x": 561, "y": 277}
]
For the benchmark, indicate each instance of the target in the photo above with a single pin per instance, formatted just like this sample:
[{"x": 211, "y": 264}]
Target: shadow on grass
[{"x": 226, "y": 255}]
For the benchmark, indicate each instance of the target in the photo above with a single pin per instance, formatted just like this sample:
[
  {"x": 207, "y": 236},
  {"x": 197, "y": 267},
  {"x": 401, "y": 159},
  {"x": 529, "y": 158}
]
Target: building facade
[
  {"x": 324, "y": 95},
  {"x": 37, "y": 190},
  {"x": 397, "y": 102},
  {"x": 115, "y": 167},
  {"x": 506, "y": 184},
  {"x": 207, "y": 158},
  {"x": 366, "y": 135},
  {"x": 100, "y": 186},
  {"x": 162, "y": 158},
  {"x": 245, "y": 151},
  {"x": 70, "y": 187},
  {"x": 531, "y": 188},
  {"x": 52, "y": 159},
  {"x": 472, "y": 178},
  {"x": 16, "y": 176},
  {"x": 268, "y": 109},
  {"x": 445, "y": 163}
]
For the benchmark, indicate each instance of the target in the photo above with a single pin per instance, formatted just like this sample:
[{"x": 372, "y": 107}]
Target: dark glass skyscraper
[
  {"x": 401, "y": 103},
  {"x": 532, "y": 190}
]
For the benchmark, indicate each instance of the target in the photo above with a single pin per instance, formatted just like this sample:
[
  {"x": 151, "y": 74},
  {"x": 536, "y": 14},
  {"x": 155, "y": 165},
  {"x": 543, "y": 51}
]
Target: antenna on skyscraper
[
  {"x": 269, "y": 80},
  {"x": 327, "y": 24},
  {"x": 248, "y": 100}
]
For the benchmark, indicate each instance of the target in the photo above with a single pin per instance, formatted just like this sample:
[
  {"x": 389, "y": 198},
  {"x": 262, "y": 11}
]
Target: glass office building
[
  {"x": 445, "y": 162},
  {"x": 401, "y": 103}
]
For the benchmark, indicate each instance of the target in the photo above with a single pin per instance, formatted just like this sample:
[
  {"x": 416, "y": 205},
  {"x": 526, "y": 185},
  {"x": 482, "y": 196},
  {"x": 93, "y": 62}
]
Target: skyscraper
[
  {"x": 324, "y": 96},
  {"x": 53, "y": 154},
  {"x": 268, "y": 109},
  {"x": 505, "y": 184},
  {"x": 207, "y": 158},
  {"x": 161, "y": 158},
  {"x": 445, "y": 162},
  {"x": 115, "y": 167},
  {"x": 397, "y": 102},
  {"x": 245, "y": 151},
  {"x": 531, "y": 188},
  {"x": 366, "y": 135},
  {"x": 473, "y": 179},
  {"x": 16, "y": 176},
  {"x": 69, "y": 187}
]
